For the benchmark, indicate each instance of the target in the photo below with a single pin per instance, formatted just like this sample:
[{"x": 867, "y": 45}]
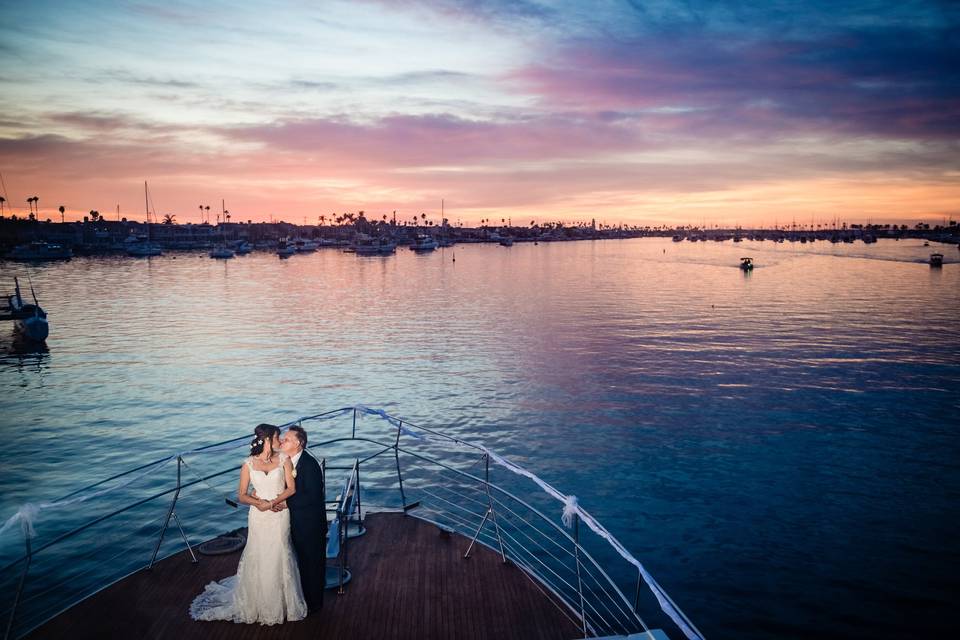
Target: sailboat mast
[{"x": 146, "y": 201}]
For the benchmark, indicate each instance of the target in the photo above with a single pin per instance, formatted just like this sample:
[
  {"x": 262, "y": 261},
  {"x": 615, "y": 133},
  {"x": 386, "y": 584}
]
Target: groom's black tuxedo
[{"x": 308, "y": 528}]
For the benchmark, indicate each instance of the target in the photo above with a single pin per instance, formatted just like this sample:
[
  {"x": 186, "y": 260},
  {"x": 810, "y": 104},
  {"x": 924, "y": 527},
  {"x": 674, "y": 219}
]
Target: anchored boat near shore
[
  {"x": 284, "y": 249},
  {"x": 40, "y": 251},
  {"x": 29, "y": 319},
  {"x": 423, "y": 242},
  {"x": 459, "y": 542},
  {"x": 141, "y": 246},
  {"x": 364, "y": 245}
]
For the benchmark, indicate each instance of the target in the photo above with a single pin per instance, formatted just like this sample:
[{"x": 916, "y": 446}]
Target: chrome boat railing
[{"x": 98, "y": 534}]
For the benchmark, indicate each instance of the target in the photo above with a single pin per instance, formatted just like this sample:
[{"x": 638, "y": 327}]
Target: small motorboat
[
  {"x": 38, "y": 251},
  {"x": 506, "y": 241},
  {"x": 746, "y": 264},
  {"x": 285, "y": 250},
  {"x": 374, "y": 247},
  {"x": 29, "y": 319},
  {"x": 936, "y": 259},
  {"x": 304, "y": 245},
  {"x": 141, "y": 247},
  {"x": 222, "y": 252},
  {"x": 423, "y": 242},
  {"x": 242, "y": 247}
]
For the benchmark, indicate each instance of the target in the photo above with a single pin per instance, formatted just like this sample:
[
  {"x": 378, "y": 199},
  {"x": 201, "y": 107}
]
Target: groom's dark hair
[{"x": 301, "y": 435}]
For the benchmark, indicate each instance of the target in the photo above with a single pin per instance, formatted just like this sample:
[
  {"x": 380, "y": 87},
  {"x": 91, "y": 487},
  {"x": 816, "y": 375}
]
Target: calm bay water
[{"x": 778, "y": 447}]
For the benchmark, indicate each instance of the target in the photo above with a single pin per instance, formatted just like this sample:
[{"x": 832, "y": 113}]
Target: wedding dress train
[{"x": 266, "y": 588}]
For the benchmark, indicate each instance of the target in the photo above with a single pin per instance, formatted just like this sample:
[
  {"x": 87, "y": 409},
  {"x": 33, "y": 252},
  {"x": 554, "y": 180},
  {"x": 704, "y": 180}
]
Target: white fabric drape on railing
[
  {"x": 27, "y": 514},
  {"x": 571, "y": 507}
]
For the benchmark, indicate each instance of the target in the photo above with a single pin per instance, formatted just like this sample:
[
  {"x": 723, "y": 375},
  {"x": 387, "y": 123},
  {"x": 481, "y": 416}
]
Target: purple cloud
[{"x": 887, "y": 82}]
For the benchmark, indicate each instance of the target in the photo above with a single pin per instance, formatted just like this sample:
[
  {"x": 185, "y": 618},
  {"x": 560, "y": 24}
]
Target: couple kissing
[{"x": 282, "y": 571}]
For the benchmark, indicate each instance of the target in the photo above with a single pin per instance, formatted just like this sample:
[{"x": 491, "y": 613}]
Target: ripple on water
[{"x": 778, "y": 447}]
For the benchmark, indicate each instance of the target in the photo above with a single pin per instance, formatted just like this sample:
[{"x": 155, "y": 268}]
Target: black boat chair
[{"x": 347, "y": 513}]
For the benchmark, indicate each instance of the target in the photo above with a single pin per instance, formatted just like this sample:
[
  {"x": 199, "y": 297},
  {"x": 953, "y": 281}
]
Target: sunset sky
[{"x": 639, "y": 112}]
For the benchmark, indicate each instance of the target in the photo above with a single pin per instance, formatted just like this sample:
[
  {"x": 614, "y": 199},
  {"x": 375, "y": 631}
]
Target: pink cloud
[{"x": 414, "y": 141}]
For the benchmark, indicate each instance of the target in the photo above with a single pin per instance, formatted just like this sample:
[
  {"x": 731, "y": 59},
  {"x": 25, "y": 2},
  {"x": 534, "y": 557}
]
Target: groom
[{"x": 308, "y": 516}]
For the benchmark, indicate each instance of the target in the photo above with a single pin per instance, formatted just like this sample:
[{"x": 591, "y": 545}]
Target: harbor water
[{"x": 779, "y": 447}]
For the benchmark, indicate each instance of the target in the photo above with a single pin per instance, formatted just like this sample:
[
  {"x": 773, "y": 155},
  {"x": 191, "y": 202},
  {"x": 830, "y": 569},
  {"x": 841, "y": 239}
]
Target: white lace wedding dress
[{"x": 266, "y": 588}]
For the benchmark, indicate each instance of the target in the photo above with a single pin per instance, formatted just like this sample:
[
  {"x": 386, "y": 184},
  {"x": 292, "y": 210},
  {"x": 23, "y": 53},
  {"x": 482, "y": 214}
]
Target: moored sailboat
[
  {"x": 29, "y": 319},
  {"x": 140, "y": 246}
]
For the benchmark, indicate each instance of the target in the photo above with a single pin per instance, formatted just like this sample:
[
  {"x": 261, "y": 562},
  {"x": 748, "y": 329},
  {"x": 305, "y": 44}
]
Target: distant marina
[
  {"x": 697, "y": 382},
  {"x": 30, "y": 239}
]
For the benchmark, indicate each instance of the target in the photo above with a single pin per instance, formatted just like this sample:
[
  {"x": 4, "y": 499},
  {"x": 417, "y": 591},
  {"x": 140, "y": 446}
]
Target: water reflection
[
  {"x": 751, "y": 420},
  {"x": 23, "y": 355}
]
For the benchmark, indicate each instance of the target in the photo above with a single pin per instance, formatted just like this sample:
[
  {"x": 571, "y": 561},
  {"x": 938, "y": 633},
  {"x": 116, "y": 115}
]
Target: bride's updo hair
[{"x": 262, "y": 435}]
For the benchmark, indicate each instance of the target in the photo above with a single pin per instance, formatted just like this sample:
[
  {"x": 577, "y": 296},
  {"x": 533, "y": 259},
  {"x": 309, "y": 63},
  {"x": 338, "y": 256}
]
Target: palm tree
[
  {"x": 2, "y": 200},
  {"x": 201, "y": 214},
  {"x": 169, "y": 218},
  {"x": 94, "y": 215},
  {"x": 207, "y": 208},
  {"x": 61, "y": 209}
]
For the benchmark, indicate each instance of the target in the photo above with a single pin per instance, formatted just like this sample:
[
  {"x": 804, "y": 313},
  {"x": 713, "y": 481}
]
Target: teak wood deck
[{"x": 410, "y": 580}]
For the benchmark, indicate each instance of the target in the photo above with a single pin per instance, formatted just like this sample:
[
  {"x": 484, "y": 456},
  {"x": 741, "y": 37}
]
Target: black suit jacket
[
  {"x": 311, "y": 496},
  {"x": 308, "y": 528}
]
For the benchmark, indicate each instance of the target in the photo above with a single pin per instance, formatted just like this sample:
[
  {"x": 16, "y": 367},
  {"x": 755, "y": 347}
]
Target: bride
[{"x": 266, "y": 588}]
